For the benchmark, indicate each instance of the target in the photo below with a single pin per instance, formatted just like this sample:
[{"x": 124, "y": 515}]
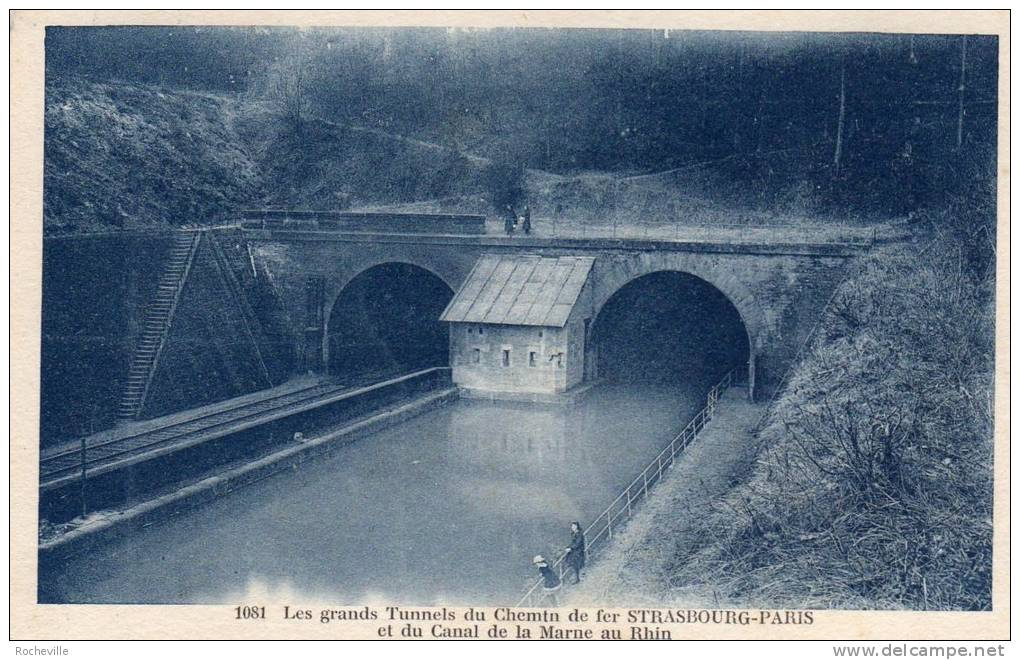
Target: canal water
[{"x": 448, "y": 507}]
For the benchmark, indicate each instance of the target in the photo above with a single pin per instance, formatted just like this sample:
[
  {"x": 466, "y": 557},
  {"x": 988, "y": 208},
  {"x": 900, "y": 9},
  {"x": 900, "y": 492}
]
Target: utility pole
[
  {"x": 842, "y": 116},
  {"x": 962, "y": 89}
]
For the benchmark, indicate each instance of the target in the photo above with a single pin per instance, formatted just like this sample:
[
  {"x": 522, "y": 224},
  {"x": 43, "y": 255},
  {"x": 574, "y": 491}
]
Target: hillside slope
[
  {"x": 126, "y": 156},
  {"x": 873, "y": 485},
  {"x": 130, "y": 156},
  {"x": 330, "y": 166}
]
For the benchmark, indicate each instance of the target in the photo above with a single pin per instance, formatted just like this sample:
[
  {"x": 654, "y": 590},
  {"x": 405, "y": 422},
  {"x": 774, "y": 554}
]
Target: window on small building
[
  {"x": 481, "y": 330},
  {"x": 540, "y": 334},
  {"x": 506, "y": 357},
  {"x": 477, "y": 355},
  {"x": 531, "y": 358},
  {"x": 470, "y": 330}
]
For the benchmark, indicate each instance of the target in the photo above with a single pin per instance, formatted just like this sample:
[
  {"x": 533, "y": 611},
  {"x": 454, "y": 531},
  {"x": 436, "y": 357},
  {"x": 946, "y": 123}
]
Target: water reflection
[{"x": 447, "y": 507}]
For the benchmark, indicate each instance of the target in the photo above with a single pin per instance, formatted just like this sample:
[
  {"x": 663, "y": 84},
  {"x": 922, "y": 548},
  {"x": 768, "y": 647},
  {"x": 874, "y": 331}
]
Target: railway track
[{"x": 67, "y": 463}]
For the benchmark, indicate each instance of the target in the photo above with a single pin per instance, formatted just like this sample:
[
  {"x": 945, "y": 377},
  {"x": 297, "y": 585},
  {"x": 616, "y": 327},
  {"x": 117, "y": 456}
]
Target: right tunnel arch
[{"x": 661, "y": 320}]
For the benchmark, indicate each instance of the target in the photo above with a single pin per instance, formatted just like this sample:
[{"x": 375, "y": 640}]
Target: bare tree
[
  {"x": 287, "y": 88},
  {"x": 842, "y": 116},
  {"x": 285, "y": 85}
]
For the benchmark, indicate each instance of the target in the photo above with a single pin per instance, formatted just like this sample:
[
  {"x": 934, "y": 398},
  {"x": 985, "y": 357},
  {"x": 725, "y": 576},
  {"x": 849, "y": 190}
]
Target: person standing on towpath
[
  {"x": 575, "y": 553},
  {"x": 526, "y": 223},
  {"x": 509, "y": 220}
]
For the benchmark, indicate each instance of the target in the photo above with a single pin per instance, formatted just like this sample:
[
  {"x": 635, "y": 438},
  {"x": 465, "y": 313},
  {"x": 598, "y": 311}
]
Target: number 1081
[{"x": 250, "y": 612}]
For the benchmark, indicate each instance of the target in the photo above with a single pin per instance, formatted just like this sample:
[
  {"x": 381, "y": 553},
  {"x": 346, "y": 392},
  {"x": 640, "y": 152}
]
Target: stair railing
[
  {"x": 169, "y": 322},
  {"x": 247, "y": 314}
]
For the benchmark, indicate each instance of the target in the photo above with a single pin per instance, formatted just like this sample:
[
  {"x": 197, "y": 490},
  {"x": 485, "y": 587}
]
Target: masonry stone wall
[
  {"x": 779, "y": 290},
  {"x": 779, "y": 296},
  {"x": 485, "y": 369},
  {"x": 94, "y": 297}
]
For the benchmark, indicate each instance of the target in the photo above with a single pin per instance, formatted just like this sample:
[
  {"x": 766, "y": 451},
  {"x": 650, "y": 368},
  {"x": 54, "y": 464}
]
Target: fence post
[
  {"x": 686, "y": 436},
  {"x": 84, "y": 500}
]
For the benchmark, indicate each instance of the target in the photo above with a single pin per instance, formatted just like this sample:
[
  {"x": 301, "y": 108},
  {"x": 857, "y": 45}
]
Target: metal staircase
[
  {"x": 230, "y": 264},
  {"x": 158, "y": 319},
  {"x": 236, "y": 256}
]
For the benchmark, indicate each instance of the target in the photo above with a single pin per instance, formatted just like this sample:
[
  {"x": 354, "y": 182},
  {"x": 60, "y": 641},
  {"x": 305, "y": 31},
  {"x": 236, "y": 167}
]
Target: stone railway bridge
[
  {"x": 779, "y": 286},
  {"x": 243, "y": 310}
]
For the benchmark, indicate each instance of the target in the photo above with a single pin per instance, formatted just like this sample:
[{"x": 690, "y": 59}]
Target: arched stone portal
[
  {"x": 385, "y": 320},
  {"x": 779, "y": 287},
  {"x": 707, "y": 312},
  {"x": 667, "y": 326}
]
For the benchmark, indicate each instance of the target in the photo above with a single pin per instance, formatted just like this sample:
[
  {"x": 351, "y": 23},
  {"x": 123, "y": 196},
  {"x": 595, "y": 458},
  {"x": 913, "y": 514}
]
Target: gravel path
[{"x": 631, "y": 572}]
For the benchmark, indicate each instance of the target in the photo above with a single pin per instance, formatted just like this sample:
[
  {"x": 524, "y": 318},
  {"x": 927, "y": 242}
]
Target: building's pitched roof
[{"x": 520, "y": 290}]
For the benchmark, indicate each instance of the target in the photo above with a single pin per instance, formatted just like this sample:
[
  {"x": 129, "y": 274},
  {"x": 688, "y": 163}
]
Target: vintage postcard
[{"x": 510, "y": 325}]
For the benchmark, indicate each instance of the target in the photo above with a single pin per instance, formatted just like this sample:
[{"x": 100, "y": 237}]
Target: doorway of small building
[
  {"x": 668, "y": 326},
  {"x": 385, "y": 322}
]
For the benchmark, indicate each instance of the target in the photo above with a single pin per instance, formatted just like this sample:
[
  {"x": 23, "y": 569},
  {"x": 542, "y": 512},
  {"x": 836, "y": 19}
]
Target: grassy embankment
[
  {"x": 133, "y": 156},
  {"x": 872, "y": 487},
  {"x": 872, "y": 484}
]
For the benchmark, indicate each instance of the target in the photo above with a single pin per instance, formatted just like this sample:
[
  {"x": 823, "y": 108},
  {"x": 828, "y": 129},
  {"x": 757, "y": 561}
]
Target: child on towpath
[{"x": 550, "y": 581}]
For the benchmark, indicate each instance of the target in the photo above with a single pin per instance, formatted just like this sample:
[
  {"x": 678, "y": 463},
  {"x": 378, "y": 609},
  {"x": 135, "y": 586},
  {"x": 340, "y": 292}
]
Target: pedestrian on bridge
[
  {"x": 510, "y": 220},
  {"x": 550, "y": 581},
  {"x": 575, "y": 554}
]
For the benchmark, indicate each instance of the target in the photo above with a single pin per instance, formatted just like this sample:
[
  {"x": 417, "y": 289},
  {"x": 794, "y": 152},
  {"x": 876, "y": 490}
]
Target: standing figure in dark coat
[
  {"x": 527, "y": 220},
  {"x": 576, "y": 552},
  {"x": 550, "y": 581},
  {"x": 510, "y": 220}
]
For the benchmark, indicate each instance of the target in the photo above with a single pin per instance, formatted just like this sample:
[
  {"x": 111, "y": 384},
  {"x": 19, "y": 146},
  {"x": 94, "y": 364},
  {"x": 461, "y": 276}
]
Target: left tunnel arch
[{"x": 385, "y": 321}]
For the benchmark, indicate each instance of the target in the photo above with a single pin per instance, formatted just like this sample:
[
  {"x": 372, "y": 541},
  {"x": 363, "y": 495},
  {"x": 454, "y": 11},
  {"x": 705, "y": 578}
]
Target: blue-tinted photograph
[{"x": 695, "y": 320}]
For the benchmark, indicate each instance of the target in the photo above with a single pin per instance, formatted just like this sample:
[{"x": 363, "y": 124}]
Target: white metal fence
[{"x": 598, "y": 534}]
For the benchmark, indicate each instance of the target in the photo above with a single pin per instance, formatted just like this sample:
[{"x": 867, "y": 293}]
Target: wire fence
[
  {"x": 829, "y": 233},
  {"x": 598, "y": 534},
  {"x": 610, "y": 226}
]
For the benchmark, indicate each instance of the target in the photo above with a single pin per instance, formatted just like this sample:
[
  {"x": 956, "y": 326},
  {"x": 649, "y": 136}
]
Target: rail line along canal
[
  {"x": 575, "y": 362},
  {"x": 446, "y": 507},
  {"x": 691, "y": 319}
]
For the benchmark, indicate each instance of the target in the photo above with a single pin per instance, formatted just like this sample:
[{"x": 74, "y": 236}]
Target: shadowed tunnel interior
[
  {"x": 386, "y": 321},
  {"x": 669, "y": 326}
]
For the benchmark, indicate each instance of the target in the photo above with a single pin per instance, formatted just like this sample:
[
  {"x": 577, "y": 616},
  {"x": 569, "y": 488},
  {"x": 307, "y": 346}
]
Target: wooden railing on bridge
[
  {"x": 546, "y": 227},
  {"x": 442, "y": 223},
  {"x": 598, "y": 534}
]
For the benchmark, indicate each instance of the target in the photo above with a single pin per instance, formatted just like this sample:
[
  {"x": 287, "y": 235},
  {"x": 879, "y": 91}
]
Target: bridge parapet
[
  {"x": 401, "y": 223},
  {"x": 634, "y": 235},
  {"x": 748, "y": 245},
  {"x": 779, "y": 283}
]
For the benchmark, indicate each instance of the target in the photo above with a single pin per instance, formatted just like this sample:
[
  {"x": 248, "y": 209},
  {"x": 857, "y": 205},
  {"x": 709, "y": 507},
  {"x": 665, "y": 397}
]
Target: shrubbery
[
  {"x": 504, "y": 180},
  {"x": 873, "y": 486},
  {"x": 129, "y": 156}
]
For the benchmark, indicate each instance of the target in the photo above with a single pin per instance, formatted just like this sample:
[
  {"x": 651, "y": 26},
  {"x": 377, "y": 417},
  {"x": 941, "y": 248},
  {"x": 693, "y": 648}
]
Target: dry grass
[
  {"x": 129, "y": 156},
  {"x": 874, "y": 485}
]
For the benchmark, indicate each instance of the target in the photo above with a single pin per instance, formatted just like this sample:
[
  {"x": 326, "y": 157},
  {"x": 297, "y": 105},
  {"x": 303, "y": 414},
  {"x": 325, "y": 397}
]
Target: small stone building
[{"x": 519, "y": 324}]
